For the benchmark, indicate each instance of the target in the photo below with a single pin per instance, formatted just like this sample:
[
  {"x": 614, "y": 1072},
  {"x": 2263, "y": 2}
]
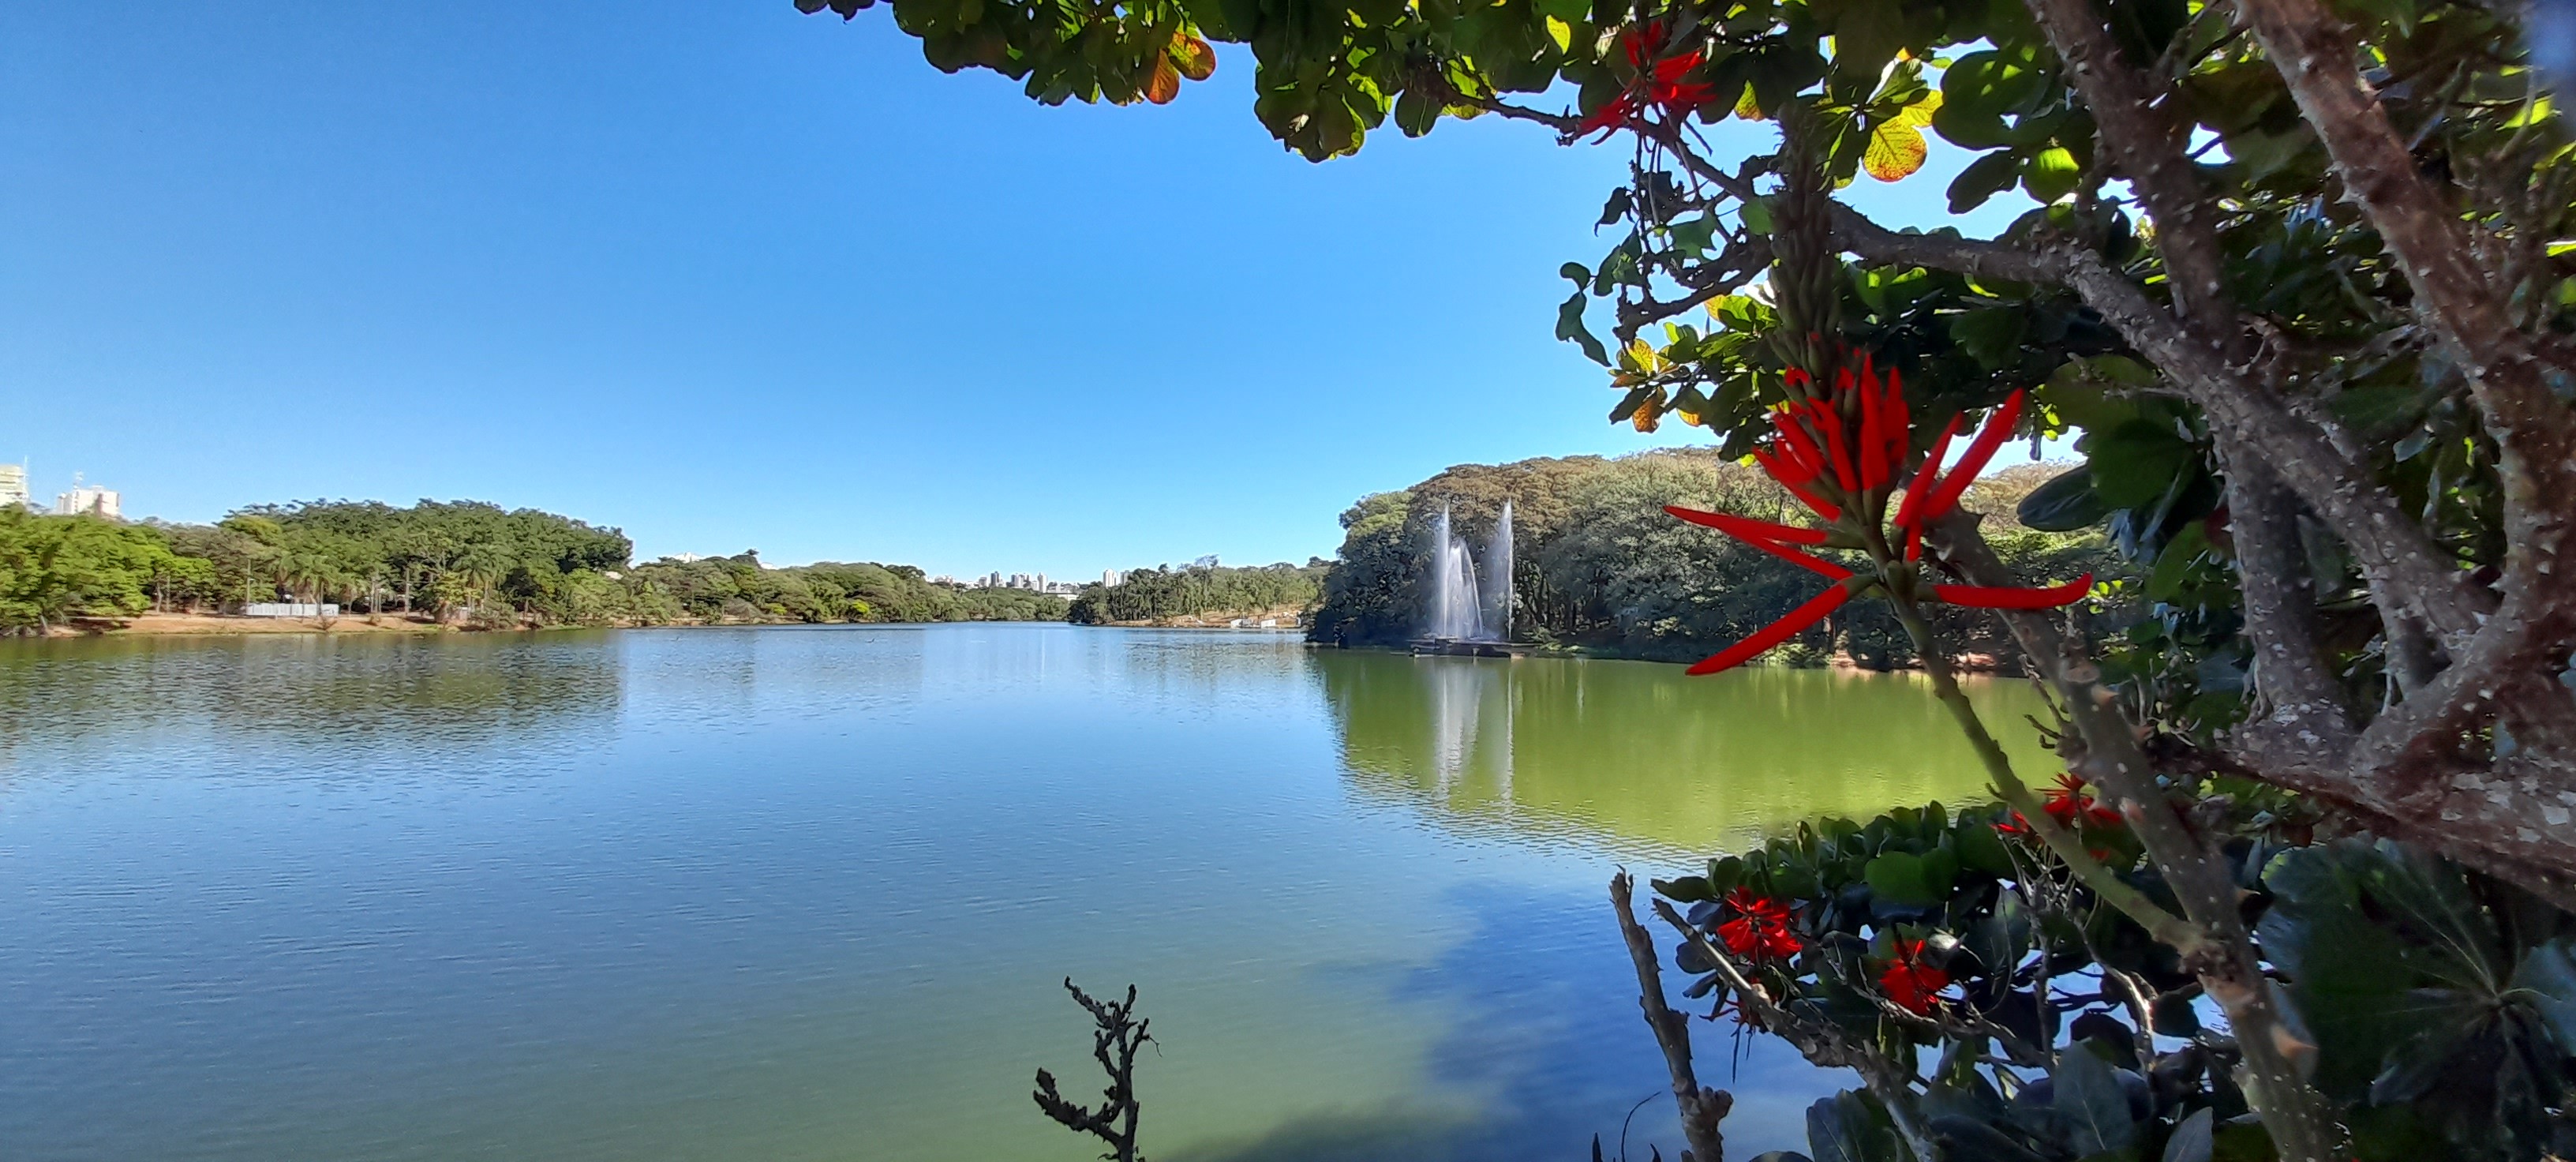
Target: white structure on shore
[
  {"x": 289, "y": 609},
  {"x": 1113, "y": 578},
  {"x": 88, "y": 500},
  {"x": 13, "y": 486}
]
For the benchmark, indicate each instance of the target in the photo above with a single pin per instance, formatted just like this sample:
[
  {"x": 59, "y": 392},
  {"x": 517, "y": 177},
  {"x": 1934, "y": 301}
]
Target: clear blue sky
[{"x": 727, "y": 276}]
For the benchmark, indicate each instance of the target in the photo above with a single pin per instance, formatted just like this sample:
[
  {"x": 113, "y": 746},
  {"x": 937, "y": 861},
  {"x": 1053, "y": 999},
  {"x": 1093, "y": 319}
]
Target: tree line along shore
[
  {"x": 1601, "y": 571},
  {"x": 468, "y": 565}
]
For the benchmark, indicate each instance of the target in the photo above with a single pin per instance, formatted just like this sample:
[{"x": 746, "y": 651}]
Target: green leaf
[
  {"x": 2050, "y": 174},
  {"x": 2379, "y": 410},
  {"x": 2547, "y": 980},
  {"x": 1992, "y": 83},
  {"x": 2174, "y": 565},
  {"x": 2096, "y": 1110},
  {"x": 2192, "y": 1140},
  {"x": 1849, "y": 1128},
  {"x": 2064, "y": 504},
  {"x": 1685, "y": 890},
  {"x": 1912, "y": 881},
  {"x": 1617, "y": 207},
  {"x": 1756, "y": 214},
  {"x": 1415, "y": 113},
  {"x": 1983, "y": 178},
  {"x": 2136, "y": 463},
  {"x": 1991, "y": 335},
  {"x": 1570, "y": 328}
]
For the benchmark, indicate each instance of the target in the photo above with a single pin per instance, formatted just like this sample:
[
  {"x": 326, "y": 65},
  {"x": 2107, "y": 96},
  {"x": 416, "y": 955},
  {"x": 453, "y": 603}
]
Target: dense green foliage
[
  {"x": 464, "y": 562},
  {"x": 1599, "y": 565},
  {"x": 1200, "y": 591},
  {"x": 740, "y": 588},
  {"x": 55, "y": 568}
]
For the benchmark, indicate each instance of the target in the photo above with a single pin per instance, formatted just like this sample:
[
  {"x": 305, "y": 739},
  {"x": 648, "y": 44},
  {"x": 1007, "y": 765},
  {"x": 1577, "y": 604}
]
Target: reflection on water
[
  {"x": 1629, "y": 752},
  {"x": 806, "y": 894},
  {"x": 254, "y": 704}
]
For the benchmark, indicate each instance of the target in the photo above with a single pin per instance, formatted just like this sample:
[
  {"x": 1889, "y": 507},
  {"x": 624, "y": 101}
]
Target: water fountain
[{"x": 1469, "y": 610}]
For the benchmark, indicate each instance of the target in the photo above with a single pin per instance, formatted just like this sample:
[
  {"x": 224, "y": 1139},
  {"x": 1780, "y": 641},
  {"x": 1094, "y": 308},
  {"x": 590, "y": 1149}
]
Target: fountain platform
[{"x": 1458, "y": 648}]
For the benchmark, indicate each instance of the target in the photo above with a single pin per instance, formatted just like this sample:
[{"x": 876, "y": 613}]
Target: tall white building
[
  {"x": 13, "y": 486},
  {"x": 89, "y": 500},
  {"x": 1113, "y": 578}
]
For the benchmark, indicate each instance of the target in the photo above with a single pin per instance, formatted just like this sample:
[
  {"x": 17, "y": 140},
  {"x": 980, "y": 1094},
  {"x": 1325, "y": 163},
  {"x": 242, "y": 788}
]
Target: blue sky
[{"x": 727, "y": 276}]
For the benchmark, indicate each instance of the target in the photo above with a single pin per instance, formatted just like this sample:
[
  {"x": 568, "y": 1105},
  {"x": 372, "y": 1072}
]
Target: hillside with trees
[
  {"x": 1600, "y": 567},
  {"x": 464, "y": 563}
]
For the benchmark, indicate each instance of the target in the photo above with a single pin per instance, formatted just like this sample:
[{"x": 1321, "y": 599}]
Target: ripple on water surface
[{"x": 806, "y": 893}]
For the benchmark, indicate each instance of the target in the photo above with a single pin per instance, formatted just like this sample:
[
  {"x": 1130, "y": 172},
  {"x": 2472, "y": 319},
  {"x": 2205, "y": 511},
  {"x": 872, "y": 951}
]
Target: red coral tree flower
[
  {"x": 2068, "y": 803},
  {"x": 1909, "y": 982},
  {"x": 1659, "y": 84},
  {"x": 1760, "y": 929},
  {"x": 1841, "y": 452}
]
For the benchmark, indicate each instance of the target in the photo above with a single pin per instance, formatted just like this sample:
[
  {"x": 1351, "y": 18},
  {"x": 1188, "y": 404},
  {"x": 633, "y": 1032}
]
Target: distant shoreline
[{"x": 233, "y": 625}]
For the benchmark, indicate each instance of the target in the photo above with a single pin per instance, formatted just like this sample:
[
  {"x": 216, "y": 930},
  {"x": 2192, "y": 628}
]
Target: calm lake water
[{"x": 807, "y": 893}]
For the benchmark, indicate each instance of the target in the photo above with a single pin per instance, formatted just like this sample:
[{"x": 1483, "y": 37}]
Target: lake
[{"x": 807, "y": 893}]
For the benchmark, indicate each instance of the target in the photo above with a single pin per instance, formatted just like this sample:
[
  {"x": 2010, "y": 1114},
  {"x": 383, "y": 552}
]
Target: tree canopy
[{"x": 461, "y": 561}]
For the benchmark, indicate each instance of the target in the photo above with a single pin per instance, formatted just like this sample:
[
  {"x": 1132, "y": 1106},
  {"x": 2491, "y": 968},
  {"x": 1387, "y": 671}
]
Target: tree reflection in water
[{"x": 1639, "y": 758}]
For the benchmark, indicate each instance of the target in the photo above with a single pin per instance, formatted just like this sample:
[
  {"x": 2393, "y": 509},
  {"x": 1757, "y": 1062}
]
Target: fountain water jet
[{"x": 1464, "y": 608}]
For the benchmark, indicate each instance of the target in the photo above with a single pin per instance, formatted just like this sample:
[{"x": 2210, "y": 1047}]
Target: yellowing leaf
[
  {"x": 1920, "y": 113},
  {"x": 1645, "y": 418},
  {"x": 1896, "y": 150},
  {"x": 1745, "y": 108},
  {"x": 1164, "y": 84},
  {"x": 1192, "y": 56},
  {"x": 1642, "y": 356},
  {"x": 1560, "y": 32}
]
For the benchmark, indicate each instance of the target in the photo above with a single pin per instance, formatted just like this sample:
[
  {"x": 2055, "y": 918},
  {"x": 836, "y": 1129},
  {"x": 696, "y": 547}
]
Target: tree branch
[
  {"x": 1702, "y": 1109},
  {"x": 2151, "y": 148}
]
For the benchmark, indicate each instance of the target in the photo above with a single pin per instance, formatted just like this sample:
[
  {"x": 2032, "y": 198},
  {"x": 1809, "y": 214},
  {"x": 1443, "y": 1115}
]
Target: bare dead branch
[
  {"x": 1117, "y": 1034},
  {"x": 1702, "y": 1109}
]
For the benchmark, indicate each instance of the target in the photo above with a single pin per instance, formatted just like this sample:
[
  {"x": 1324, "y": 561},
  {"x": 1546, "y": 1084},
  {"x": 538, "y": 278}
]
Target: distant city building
[
  {"x": 944, "y": 579},
  {"x": 990, "y": 581},
  {"x": 13, "y": 486},
  {"x": 1206, "y": 562},
  {"x": 1113, "y": 578},
  {"x": 89, "y": 500}
]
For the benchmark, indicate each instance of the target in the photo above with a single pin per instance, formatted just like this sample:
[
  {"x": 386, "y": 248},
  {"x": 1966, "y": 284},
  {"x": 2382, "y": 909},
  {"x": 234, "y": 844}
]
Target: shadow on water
[{"x": 1643, "y": 759}]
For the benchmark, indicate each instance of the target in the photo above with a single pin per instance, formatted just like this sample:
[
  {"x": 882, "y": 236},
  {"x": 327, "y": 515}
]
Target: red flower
[
  {"x": 1659, "y": 84},
  {"x": 2067, "y": 802},
  {"x": 1760, "y": 927},
  {"x": 1841, "y": 452},
  {"x": 1911, "y": 983}
]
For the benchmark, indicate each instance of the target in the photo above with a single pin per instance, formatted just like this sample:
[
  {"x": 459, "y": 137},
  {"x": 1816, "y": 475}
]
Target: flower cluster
[
  {"x": 1841, "y": 452},
  {"x": 1659, "y": 84},
  {"x": 1761, "y": 928},
  {"x": 2068, "y": 803},
  {"x": 1910, "y": 983}
]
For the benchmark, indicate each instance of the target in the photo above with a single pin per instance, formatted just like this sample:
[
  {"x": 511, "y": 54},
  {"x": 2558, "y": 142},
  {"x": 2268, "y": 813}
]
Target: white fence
[{"x": 289, "y": 609}]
